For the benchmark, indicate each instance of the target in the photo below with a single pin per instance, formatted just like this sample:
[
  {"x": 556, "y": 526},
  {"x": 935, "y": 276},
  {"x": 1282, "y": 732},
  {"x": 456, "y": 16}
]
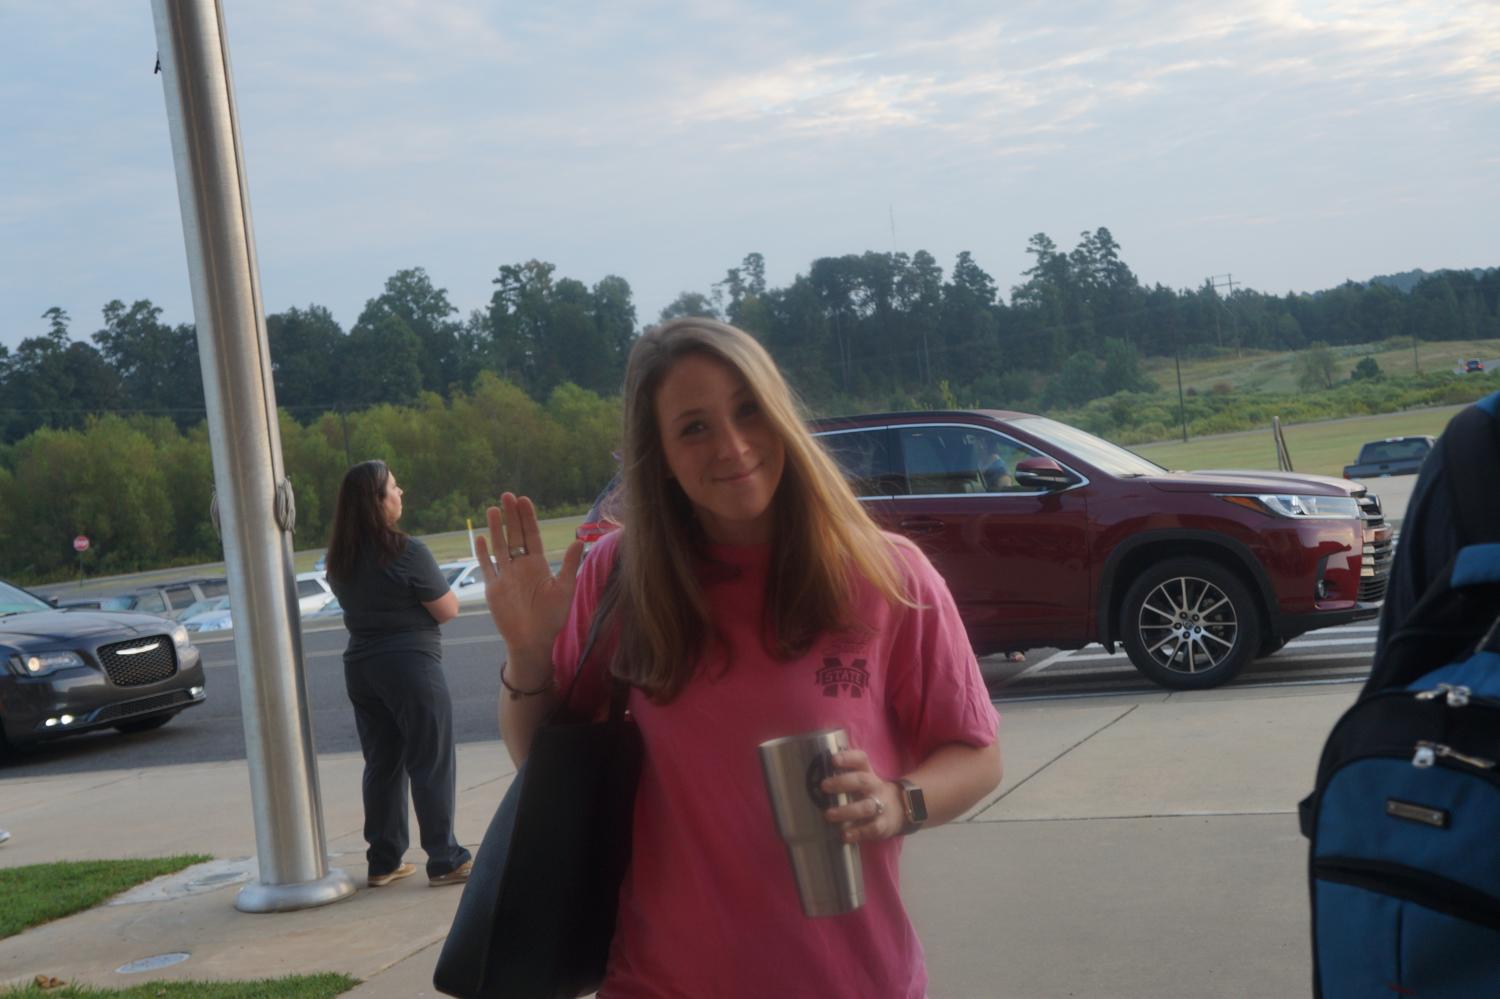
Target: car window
[
  {"x": 1095, "y": 450},
  {"x": 943, "y": 460},
  {"x": 16, "y": 601},
  {"x": 150, "y": 603},
  {"x": 180, "y": 596},
  {"x": 308, "y": 588},
  {"x": 451, "y": 575},
  {"x": 1395, "y": 450},
  {"x": 214, "y": 587},
  {"x": 998, "y": 458},
  {"x": 865, "y": 458}
]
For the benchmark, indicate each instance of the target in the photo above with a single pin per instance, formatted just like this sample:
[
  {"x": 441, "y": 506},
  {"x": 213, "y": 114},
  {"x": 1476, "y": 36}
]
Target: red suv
[{"x": 1050, "y": 536}]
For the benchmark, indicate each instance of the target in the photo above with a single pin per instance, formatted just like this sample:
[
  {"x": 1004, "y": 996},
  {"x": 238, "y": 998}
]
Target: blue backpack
[{"x": 1404, "y": 822}]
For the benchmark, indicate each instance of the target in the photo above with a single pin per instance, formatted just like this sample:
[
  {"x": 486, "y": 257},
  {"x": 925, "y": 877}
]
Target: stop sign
[{"x": 81, "y": 543}]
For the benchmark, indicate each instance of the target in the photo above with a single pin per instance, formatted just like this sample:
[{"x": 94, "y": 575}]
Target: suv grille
[
  {"x": 130, "y": 668},
  {"x": 1379, "y": 550}
]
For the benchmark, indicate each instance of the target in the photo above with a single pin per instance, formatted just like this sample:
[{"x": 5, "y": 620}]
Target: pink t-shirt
[{"x": 709, "y": 907}]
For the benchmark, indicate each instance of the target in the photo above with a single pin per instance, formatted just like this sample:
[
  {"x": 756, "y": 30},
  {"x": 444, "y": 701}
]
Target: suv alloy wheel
[{"x": 1189, "y": 623}]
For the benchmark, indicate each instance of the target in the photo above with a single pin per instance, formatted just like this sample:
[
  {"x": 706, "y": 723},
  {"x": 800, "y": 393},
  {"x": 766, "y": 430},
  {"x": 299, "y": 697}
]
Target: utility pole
[
  {"x": 1181, "y": 400},
  {"x": 1215, "y": 284}
]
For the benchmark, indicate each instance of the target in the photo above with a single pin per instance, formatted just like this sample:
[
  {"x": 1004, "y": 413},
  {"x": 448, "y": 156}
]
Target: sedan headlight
[
  {"x": 180, "y": 637},
  {"x": 42, "y": 663},
  {"x": 1299, "y": 507}
]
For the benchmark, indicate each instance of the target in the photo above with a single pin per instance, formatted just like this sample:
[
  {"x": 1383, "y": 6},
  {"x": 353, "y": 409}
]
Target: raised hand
[{"x": 527, "y": 602}]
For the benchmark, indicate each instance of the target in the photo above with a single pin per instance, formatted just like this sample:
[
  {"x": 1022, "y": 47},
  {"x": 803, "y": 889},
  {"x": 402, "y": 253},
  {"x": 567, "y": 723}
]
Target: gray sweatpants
[{"x": 404, "y": 715}]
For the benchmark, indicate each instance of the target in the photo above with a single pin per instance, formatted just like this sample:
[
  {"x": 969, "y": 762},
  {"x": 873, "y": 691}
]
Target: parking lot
[{"x": 472, "y": 652}]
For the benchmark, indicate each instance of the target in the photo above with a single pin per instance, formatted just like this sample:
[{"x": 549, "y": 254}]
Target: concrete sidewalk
[{"x": 1139, "y": 846}]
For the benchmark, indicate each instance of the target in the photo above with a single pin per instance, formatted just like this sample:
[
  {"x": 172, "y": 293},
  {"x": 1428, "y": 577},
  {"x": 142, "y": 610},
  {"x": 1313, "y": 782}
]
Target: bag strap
[{"x": 619, "y": 689}]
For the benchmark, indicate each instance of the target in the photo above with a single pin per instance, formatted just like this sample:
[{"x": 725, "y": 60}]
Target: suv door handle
[{"x": 920, "y": 525}]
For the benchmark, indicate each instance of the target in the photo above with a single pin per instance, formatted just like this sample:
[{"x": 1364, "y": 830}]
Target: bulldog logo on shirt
[{"x": 836, "y": 678}]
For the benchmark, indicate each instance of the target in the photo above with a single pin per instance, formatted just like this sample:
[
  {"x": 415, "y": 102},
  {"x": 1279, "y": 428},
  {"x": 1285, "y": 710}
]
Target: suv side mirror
[{"x": 1042, "y": 473}]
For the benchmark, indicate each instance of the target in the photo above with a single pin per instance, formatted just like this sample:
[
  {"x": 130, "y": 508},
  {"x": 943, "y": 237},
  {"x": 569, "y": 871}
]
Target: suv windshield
[
  {"x": 14, "y": 601},
  {"x": 1096, "y": 451}
]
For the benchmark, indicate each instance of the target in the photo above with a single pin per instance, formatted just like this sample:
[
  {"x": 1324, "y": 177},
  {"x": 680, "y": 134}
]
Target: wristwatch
[{"x": 913, "y": 804}]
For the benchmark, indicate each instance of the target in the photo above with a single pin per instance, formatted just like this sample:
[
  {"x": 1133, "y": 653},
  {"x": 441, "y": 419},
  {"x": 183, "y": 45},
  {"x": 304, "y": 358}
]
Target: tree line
[
  {"x": 854, "y": 331},
  {"x": 140, "y": 487},
  {"x": 417, "y": 383}
]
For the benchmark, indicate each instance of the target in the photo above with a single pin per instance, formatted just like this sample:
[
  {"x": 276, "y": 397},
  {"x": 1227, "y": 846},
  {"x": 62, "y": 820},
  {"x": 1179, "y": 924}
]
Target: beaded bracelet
[{"x": 516, "y": 693}]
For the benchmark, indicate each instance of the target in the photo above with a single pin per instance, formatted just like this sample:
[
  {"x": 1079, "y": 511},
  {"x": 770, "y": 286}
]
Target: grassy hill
[
  {"x": 1324, "y": 447},
  {"x": 1265, "y": 371}
]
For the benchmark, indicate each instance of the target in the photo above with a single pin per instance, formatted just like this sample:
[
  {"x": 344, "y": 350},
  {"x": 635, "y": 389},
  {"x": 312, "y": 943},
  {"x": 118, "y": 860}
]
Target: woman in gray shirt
[{"x": 394, "y": 598}]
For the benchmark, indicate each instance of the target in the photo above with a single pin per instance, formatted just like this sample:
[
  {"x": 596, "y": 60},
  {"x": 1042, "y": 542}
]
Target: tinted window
[
  {"x": 865, "y": 457},
  {"x": 308, "y": 588},
  {"x": 998, "y": 459},
  {"x": 943, "y": 460},
  {"x": 1395, "y": 450},
  {"x": 180, "y": 596},
  {"x": 214, "y": 587}
]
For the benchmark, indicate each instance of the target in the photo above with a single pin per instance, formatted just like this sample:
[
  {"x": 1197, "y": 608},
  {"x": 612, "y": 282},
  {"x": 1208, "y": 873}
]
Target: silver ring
[
  {"x": 517, "y": 551},
  {"x": 879, "y": 806}
]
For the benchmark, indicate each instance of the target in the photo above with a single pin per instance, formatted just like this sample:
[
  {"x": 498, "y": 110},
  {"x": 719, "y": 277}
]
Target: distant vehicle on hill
[
  {"x": 1392, "y": 456},
  {"x": 1473, "y": 365}
]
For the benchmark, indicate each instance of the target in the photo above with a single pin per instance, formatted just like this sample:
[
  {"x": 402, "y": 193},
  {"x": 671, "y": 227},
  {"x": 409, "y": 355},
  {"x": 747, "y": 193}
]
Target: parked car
[
  {"x": 208, "y": 615},
  {"x": 1392, "y": 456},
  {"x": 313, "y": 597},
  {"x": 68, "y": 671},
  {"x": 1194, "y": 573},
  {"x": 169, "y": 599},
  {"x": 465, "y": 579},
  {"x": 1473, "y": 365},
  {"x": 313, "y": 592}
]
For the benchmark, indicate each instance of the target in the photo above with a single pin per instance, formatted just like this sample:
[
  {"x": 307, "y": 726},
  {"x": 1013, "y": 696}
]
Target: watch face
[{"x": 916, "y": 805}]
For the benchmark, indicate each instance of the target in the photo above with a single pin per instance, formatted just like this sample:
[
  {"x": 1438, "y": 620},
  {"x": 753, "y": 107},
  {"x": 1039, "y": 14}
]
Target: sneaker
[
  {"x": 457, "y": 876},
  {"x": 404, "y": 871}
]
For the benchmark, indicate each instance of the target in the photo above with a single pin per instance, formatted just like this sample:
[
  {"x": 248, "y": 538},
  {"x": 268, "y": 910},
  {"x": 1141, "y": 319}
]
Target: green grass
[
  {"x": 39, "y": 893},
  {"x": 323, "y": 986},
  {"x": 1265, "y": 371},
  {"x": 557, "y": 534},
  {"x": 1324, "y": 447}
]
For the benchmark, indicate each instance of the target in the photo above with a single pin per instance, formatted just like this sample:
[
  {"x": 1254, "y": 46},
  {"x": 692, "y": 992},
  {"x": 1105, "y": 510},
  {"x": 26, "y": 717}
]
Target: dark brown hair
[{"x": 359, "y": 521}]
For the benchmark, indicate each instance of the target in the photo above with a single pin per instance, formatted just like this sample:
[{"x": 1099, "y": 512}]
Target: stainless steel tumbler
[{"x": 829, "y": 878}]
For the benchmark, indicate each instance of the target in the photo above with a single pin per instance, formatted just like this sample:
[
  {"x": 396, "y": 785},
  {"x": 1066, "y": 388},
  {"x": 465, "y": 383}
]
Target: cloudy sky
[{"x": 1291, "y": 143}]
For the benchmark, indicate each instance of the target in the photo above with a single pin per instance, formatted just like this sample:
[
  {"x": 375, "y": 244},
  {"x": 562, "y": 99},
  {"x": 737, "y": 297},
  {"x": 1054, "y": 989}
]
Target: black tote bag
[{"x": 538, "y": 912}]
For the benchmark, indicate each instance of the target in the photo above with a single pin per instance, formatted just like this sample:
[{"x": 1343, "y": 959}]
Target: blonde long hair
[{"x": 824, "y": 540}]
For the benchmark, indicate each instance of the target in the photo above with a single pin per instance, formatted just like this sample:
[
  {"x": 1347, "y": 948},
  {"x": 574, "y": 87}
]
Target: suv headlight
[
  {"x": 1299, "y": 507},
  {"x": 42, "y": 663}
]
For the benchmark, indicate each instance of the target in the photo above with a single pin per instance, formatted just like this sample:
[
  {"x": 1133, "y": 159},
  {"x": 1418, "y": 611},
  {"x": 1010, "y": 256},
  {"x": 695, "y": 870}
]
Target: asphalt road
[{"x": 472, "y": 652}]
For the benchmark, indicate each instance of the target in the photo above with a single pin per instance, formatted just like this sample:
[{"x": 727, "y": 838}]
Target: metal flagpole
[{"x": 253, "y": 499}]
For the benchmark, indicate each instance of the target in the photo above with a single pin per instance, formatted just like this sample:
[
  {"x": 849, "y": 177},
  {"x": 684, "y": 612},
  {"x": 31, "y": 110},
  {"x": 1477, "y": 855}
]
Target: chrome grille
[
  {"x": 139, "y": 661},
  {"x": 1379, "y": 550},
  {"x": 140, "y": 706}
]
